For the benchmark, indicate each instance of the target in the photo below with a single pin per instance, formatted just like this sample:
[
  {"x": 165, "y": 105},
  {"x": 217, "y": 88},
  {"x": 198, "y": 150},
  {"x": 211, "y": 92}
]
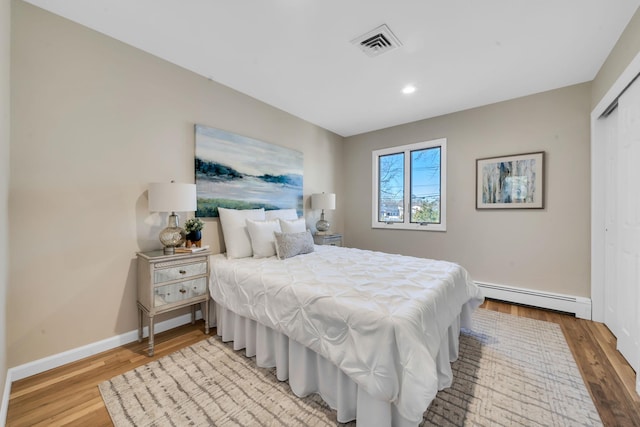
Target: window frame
[{"x": 406, "y": 224}]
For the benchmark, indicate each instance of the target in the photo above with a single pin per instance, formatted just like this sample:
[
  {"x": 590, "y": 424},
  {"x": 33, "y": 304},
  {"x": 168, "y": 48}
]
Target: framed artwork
[
  {"x": 510, "y": 182},
  {"x": 237, "y": 172}
]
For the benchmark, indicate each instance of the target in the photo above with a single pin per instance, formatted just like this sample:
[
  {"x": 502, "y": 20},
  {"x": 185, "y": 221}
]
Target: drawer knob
[
  {"x": 182, "y": 272},
  {"x": 182, "y": 291}
]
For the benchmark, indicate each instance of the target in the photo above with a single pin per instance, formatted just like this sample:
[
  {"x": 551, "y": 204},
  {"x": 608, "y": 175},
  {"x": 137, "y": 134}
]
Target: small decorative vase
[{"x": 194, "y": 237}]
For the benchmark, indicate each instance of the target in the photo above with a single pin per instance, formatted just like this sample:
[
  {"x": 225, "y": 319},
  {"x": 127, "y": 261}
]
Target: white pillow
[
  {"x": 295, "y": 226},
  {"x": 234, "y": 230},
  {"x": 263, "y": 239},
  {"x": 281, "y": 214}
]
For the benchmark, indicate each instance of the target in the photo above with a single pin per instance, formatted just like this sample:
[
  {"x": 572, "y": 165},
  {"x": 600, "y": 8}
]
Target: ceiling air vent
[{"x": 377, "y": 41}]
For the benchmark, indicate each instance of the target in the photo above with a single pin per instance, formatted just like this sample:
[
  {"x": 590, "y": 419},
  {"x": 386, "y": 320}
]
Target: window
[{"x": 409, "y": 186}]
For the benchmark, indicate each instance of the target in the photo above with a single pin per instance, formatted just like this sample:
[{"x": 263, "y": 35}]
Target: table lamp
[
  {"x": 172, "y": 197},
  {"x": 323, "y": 201}
]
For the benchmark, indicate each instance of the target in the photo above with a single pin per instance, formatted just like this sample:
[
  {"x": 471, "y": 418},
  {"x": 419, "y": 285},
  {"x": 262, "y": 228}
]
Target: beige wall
[
  {"x": 5, "y": 43},
  {"x": 626, "y": 48},
  {"x": 544, "y": 249},
  {"x": 93, "y": 122}
]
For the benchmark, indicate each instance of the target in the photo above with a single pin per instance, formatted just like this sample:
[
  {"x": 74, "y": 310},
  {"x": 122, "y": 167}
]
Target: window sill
[{"x": 414, "y": 227}]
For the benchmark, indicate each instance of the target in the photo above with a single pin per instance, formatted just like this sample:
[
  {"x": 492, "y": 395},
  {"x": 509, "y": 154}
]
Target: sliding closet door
[{"x": 627, "y": 213}]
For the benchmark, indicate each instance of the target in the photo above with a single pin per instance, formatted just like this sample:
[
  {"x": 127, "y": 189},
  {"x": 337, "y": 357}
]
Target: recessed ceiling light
[{"x": 408, "y": 89}]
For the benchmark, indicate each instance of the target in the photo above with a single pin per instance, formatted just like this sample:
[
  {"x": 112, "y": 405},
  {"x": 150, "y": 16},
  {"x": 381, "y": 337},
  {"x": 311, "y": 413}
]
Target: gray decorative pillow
[{"x": 292, "y": 244}]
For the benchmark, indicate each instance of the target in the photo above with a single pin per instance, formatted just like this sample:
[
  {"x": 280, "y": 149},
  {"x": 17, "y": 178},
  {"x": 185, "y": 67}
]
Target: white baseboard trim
[
  {"x": 56, "y": 360},
  {"x": 5, "y": 400},
  {"x": 579, "y": 306}
]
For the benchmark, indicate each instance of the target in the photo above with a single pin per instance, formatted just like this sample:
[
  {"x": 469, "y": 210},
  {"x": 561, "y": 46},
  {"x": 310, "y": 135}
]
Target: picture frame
[{"x": 510, "y": 182}]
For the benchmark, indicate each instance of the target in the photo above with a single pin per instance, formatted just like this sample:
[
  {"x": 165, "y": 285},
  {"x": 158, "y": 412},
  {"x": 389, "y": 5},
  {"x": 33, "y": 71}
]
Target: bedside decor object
[
  {"x": 191, "y": 250},
  {"x": 193, "y": 227},
  {"x": 510, "y": 182},
  {"x": 323, "y": 201},
  {"x": 172, "y": 197}
]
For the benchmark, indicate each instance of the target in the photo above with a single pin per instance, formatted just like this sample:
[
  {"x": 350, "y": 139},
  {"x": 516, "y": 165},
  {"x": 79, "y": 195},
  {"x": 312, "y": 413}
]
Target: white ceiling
[{"x": 296, "y": 54}]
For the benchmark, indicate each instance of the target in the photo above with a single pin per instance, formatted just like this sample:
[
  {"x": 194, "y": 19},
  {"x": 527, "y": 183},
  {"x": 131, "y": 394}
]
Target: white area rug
[{"x": 512, "y": 371}]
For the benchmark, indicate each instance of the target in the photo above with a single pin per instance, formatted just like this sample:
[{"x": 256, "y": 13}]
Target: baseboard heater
[{"x": 579, "y": 306}]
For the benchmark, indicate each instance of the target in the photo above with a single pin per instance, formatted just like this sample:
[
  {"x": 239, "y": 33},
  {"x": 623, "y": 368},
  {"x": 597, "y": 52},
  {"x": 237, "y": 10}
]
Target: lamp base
[
  {"x": 172, "y": 236},
  {"x": 322, "y": 226}
]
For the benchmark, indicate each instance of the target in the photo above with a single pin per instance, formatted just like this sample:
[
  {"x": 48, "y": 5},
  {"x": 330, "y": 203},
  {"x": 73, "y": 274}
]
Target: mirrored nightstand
[
  {"x": 328, "y": 239},
  {"x": 170, "y": 282}
]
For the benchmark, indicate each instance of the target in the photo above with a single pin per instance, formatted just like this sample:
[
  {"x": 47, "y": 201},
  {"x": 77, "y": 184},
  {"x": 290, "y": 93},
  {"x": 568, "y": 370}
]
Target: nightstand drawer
[
  {"x": 328, "y": 239},
  {"x": 176, "y": 292},
  {"x": 161, "y": 275}
]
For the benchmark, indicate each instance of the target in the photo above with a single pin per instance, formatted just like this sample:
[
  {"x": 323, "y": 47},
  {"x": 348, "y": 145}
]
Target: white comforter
[{"x": 379, "y": 317}]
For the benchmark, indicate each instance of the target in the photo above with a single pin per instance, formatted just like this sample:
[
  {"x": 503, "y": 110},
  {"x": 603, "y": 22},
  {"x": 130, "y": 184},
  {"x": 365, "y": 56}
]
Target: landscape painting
[
  {"x": 237, "y": 172},
  {"x": 510, "y": 182}
]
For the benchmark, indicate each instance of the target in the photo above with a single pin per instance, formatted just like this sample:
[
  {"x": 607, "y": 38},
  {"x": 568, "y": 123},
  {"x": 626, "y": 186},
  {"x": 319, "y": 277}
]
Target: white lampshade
[
  {"x": 172, "y": 197},
  {"x": 323, "y": 201}
]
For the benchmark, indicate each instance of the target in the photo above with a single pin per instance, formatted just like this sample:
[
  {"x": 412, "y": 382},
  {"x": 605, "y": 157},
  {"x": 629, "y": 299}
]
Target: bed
[{"x": 372, "y": 333}]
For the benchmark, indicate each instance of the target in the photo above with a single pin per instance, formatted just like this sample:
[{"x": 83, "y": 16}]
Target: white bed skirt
[{"x": 308, "y": 372}]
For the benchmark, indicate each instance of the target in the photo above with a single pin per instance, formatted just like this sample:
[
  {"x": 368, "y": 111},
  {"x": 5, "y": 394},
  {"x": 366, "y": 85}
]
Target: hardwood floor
[{"x": 69, "y": 395}]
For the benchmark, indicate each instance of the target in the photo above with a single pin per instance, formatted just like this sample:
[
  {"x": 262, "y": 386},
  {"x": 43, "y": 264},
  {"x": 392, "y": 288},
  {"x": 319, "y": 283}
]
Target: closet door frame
[{"x": 598, "y": 175}]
